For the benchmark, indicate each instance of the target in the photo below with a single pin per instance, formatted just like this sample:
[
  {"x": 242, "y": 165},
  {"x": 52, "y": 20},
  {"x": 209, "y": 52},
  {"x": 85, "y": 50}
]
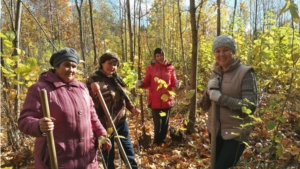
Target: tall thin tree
[
  {"x": 182, "y": 44},
  {"x": 130, "y": 31},
  {"x": 193, "y": 106},
  {"x": 92, "y": 29},
  {"x": 233, "y": 17},
  {"x": 219, "y": 17},
  {"x": 82, "y": 44}
]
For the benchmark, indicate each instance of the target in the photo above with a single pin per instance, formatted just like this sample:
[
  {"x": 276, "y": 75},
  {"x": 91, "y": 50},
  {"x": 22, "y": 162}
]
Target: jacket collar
[
  {"x": 164, "y": 64},
  {"x": 232, "y": 67}
]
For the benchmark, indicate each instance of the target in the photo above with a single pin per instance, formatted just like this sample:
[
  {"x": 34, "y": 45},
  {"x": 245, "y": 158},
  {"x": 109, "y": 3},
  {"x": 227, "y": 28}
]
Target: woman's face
[
  {"x": 109, "y": 67},
  {"x": 159, "y": 58},
  {"x": 224, "y": 56},
  {"x": 66, "y": 71}
]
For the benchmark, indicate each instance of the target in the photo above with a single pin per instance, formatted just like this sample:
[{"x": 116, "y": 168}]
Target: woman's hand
[
  {"x": 135, "y": 111},
  {"x": 106, "y": 145},
  {"x": 46, "y": 124},
  {"x": 95, "y": 87}
]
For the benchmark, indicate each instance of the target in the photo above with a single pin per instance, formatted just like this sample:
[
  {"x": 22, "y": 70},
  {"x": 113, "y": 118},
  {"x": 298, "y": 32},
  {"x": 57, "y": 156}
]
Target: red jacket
[
  {"x": 76, "y": 127},
  {"x": 165, "y": 72}
]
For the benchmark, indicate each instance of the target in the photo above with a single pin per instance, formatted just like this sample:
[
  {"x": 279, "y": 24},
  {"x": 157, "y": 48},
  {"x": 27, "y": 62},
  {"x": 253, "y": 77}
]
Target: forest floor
[
  {"x": 194, "y": 151},
  {"x": 263, "y": 151}
]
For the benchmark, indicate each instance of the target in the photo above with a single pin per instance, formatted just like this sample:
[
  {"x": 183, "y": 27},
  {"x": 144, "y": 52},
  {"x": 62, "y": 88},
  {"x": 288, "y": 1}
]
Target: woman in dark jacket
[
  {"x": 231, "y": 85},
  {"x": 111, "y": 87},
  {"x": 74, "y": 121},
  {"x": 160, "y": 69}
]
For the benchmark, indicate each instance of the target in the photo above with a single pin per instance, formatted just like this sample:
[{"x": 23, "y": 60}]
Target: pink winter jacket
[
  {"x": 165, "y": 72},
  {"x": 76, "y": 127}
]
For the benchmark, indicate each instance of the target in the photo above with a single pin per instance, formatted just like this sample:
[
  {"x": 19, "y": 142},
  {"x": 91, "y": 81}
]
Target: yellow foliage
[
  {"x": 162, "y": 114},
  {"x": 164, "y": 97}
]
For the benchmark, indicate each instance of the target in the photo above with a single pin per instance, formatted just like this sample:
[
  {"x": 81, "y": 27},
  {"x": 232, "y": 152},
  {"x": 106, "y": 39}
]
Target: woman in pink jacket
[
  {"x": 74, "y": 122},
  {"x": 160, "y": 69}
]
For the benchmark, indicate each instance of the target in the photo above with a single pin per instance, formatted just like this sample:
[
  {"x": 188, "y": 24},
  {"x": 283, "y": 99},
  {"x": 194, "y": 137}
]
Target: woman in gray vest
[{"x": 231, "y": 85}]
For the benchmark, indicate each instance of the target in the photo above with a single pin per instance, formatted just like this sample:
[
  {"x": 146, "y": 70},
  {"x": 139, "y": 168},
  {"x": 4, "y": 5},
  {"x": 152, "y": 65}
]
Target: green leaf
[
  {"x": 280, "y": 150},
  {"x": 235, "y": 134},
  {"x": 245, "y": 125},
  {"x": 201, "y": 87},
  {"x": 7, "y": 43},
  {"x": 246, "y": 143},
  {"x": 22, "y": 69},
  {"x": 31, "y": 62},
  {"x": 294, "y": 12},
  {"x": 237, "y": 117},
  {"x": 109, "y": 131},
  {"x": 102, "y": 139},
  {"x": 271, "y": 125},
  {"x": 119, "y": 136},
  {"x": 284, "y": 9},
  {"x": 266, "y": 148},
  {"x": 7, "y": 72},
  {"x": 190, "y": 94},
  {"x": 162, "y": 114},
  {"x": 2, "y": 36},
  {"x": 173, "y": 94},
  {"x": 164, "y": 97},
  {"x": 257, "y": 119},
  {"x": 9, "y": 62},
  {"x": 281, "y": 119},
  {"x": 246, "y": 110}
]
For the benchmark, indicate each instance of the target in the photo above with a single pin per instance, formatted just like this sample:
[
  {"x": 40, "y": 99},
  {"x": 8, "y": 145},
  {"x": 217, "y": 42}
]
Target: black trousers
[
  {"x": 161, "y": 124},
  {"x": 228, "y": 152}
]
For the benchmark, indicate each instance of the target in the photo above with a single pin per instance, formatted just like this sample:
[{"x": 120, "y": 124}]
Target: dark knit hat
[
  {"x": 158, "y": 50},
  {"x": 225, "y": 41},
  {"x": 67, "y": 54},
  {"x": 109, "y": 56}
]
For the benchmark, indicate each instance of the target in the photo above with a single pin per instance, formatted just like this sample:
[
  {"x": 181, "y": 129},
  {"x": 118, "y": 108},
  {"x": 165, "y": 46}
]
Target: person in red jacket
[{"x": 160, "y": 79}]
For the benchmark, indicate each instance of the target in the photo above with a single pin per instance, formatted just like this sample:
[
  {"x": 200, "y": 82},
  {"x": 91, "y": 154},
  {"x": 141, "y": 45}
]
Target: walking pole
[
  {"x": 50, "y": 138},
  {"x": 106, "y": 111},
  {"x": 213, "y": 135},
  {"x": 103, "y": 160}
]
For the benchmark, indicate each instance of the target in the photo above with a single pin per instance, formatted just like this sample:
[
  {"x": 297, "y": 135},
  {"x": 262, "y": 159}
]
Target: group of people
[{"x": 78, "y": 119}]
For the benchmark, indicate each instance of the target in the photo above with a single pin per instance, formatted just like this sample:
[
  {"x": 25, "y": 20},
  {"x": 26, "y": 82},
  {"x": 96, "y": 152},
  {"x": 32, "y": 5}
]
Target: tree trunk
[
  {"x": 182, "y": 45},
  {"x": 130, "y": 32},
  {"x": 140, "y": 73},
  {"x": 233, "y": 17},
  {"x": 219, "y": 18},
  {"x": 82, "y": 45},
  {"x": 121, "y": 14},
  {"x": 125, "y": 34},
  {"x": 255, "y": 21},
  {"x": 17, "y": 46},
  {"x": 93, "y": 34},
  {"x": 193, "y": 106}
]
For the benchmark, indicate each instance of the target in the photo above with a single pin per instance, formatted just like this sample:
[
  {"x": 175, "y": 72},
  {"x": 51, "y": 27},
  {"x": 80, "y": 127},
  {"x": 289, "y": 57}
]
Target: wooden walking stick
[
  {"x": 106, "y": 111},
  {"x": 213, "y": 135},
  {"x": 213, "y": 132},
  {"x": 50, "y": 137}
]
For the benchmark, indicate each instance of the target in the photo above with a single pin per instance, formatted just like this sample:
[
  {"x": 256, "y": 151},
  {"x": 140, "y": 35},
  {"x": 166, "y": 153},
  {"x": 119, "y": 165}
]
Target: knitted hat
[
  {"x": 225, "y": 41},
  {"x": 109, "y": 56},
  {"x": 158, "y": 50},
  {"x": 62, "y": 55}
]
